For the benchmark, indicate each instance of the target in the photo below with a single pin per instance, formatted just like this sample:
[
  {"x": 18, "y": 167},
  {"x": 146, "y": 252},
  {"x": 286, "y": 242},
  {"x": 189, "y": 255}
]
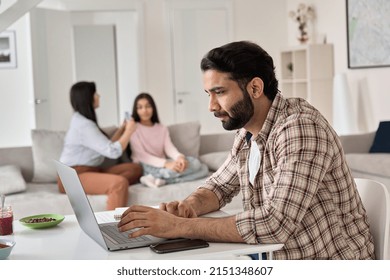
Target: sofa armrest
[
  {"x": 216, "y": 142},
  {"x": 357, "y": 143}
]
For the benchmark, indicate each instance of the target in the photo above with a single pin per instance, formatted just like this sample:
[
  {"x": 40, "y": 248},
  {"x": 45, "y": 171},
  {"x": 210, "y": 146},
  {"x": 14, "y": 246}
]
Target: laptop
[{"x": 106, "y": 235}]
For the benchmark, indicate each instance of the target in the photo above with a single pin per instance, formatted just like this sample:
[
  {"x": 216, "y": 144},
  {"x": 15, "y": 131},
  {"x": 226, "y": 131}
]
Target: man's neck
[{"x": 261, "y": 110}]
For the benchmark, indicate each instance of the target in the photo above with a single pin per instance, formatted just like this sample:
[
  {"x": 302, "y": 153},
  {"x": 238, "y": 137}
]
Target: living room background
[{"x": 262, "y": 21}]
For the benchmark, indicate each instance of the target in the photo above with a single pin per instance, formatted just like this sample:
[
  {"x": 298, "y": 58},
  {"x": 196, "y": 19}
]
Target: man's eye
[{"x": 219, "y": 91}]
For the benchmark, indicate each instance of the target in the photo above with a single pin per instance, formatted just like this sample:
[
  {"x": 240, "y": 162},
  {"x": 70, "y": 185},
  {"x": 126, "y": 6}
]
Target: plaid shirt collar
[{"x": 278, "y": 104}]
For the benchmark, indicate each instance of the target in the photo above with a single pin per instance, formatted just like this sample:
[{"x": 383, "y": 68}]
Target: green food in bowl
[
  {"x": 42, "y": 221},
  {"x": 6, "y": 247}
]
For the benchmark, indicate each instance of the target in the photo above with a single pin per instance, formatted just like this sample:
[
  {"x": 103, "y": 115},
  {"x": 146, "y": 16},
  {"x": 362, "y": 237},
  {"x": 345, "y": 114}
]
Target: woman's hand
[
  {"x": 119, "y": 132},
  {"x": 130, "y": 126}
]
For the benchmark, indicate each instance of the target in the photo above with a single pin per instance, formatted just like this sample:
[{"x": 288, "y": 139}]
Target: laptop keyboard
[{"x": 121, "y": 237}]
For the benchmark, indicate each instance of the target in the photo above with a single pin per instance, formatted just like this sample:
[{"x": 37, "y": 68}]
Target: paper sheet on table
[
  {"x": 215, "y": 214},
  {"x": 105, "y": 217},
  {"x": 108, "y": 216}
]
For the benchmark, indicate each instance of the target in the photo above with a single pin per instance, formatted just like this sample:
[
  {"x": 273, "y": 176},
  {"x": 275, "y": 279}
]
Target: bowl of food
[
  {"x": 6, "y": 247},
  {"x": 42, "y": 221}
]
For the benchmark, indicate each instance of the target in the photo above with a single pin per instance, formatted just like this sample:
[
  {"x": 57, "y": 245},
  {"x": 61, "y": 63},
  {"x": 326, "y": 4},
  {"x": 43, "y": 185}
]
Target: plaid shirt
[{"x": 303, "y": 195}]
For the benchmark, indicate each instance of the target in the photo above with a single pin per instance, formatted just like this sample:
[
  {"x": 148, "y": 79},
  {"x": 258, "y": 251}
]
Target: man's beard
[{"x": 241, "y": 113}]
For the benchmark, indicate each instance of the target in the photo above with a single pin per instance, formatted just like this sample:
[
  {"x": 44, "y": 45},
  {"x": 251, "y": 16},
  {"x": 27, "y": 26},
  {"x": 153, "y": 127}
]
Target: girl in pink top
[{"x": 152, "y": 147}]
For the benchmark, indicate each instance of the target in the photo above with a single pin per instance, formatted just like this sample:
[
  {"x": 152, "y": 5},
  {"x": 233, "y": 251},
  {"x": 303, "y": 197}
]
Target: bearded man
[{"x": 287, "y": 162}]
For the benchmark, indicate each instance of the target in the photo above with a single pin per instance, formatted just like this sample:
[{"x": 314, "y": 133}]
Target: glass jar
[{"x": 6, "y": 219}]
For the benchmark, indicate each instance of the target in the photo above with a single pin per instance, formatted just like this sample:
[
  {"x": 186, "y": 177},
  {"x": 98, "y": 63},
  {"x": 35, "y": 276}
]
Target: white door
[
  {"x": 95, "y": 60},
  {"x": 196, "y": 28},
  {"x": 61, "y": 38},
  {"x": 108, "y": 44}
]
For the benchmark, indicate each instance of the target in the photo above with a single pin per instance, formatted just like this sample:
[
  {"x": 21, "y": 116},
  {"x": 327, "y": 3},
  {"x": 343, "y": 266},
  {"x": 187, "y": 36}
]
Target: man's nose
[{"x": 213, "y": 104}]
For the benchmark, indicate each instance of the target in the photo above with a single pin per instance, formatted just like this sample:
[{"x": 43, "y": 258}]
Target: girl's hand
[
  {"x": 182, "y": 163},
  {"x": 172, "y": 165}
]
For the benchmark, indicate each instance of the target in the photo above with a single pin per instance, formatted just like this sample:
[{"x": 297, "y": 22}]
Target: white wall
[
  {"x": 16, "y": 91},
  {"x": 372, "y": 83},
  {"x": 261, "y": 21}
]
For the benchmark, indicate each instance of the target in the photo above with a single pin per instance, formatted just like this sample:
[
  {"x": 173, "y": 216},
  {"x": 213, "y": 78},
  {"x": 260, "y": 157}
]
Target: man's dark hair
[
  {"x": 243, "y": 61},
  {"x": 148, "y": 97}
]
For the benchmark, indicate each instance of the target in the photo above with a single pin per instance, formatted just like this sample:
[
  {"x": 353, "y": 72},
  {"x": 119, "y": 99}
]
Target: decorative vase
[{"x": 303, "y": 36}]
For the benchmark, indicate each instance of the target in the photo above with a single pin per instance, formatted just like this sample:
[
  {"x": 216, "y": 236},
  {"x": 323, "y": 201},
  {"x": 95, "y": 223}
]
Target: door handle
[{"x": 39, "y": 101}]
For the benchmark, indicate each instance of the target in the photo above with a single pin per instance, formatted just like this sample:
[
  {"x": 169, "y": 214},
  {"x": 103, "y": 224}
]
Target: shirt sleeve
[
  {"x": 94, "y": 139},
  {"x": 303, "y": 153},
  {"x": 224, "y": 183}
]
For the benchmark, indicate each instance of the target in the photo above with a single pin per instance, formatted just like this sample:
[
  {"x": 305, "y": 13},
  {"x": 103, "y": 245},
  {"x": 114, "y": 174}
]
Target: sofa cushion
[
  {"x": 11, "y": 179},
  {"x": 381, "y": 142},
  {"x": 46, "y": 146},
  {"x": 214, "y": 160},
  {"x": 377, "y": 164},
  {"x": 186, "y": 137}
]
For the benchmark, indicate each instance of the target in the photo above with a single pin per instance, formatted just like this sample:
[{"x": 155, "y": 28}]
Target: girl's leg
[
  {"x": 151, "y": 177},
  {"x": 202, "y": 172},
  {"x": 194, "y": 170}
]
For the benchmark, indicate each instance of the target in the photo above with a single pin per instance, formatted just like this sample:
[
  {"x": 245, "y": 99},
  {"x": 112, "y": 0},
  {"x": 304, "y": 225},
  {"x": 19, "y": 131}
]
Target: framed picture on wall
[
  {"x": 7, "y": 49},
  {"x": 368, "y": 31}
]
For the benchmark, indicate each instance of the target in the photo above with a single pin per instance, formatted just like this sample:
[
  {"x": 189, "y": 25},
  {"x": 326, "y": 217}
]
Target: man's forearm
[
  {"x": 210, "y": 229},
  {"x": 203, "y": 201}
]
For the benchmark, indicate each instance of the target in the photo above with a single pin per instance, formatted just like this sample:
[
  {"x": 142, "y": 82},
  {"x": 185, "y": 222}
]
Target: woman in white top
[
  {"x": 152, "y": 147},
  {"x": 86, "y": 145}
]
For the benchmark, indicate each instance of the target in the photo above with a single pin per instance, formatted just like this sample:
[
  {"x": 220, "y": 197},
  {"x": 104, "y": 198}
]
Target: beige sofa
[
  {"x": 375, "y": 166},
  {"x": 32, "y": 170}
]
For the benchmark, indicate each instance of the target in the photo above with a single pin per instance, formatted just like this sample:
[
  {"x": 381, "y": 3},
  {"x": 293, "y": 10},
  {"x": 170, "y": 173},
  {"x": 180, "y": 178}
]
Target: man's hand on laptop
[{"x": 150, "y": 221}]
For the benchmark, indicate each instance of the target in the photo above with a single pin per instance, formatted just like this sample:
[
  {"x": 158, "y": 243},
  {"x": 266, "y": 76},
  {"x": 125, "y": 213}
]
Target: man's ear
[{"x": 255, "y": 87}]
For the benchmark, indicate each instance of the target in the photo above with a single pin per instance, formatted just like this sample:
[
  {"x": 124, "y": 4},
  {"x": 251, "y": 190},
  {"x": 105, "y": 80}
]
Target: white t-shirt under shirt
[
  {"x": 86, "y": 145},
  {"x": 152, "y": 145},
  {"x": 254, "y": 161}
]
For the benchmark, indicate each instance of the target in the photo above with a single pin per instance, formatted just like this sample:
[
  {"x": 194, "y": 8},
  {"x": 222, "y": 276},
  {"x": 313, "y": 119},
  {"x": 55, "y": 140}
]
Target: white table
[{"x": 67, "y": 241}]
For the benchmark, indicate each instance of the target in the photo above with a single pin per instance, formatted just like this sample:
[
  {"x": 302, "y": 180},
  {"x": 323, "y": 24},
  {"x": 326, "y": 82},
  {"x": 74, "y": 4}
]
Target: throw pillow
[
  {"x": 11, "y": 179},
  {"x": 46, "y": 146},
  {"x": 214, "y": 160},
  {"x": 382, "y": 139},
  {"x": 186, "y": 137}
]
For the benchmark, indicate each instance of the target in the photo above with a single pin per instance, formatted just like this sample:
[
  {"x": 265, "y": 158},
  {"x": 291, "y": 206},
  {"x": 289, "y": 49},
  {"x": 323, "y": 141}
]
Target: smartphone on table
[{"x": 178, "y": 245}]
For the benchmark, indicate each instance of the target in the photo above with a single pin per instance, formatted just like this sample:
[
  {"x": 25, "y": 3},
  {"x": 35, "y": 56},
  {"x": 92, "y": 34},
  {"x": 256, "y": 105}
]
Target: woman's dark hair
[
  {"x": 148, "y": 97},
  {"x": 243, "y": 61},
  {"x": 82, "y": 99}
]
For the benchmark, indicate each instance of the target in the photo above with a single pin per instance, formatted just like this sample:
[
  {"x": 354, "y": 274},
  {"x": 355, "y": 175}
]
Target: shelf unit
[{"x": 311, "y": 77}]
